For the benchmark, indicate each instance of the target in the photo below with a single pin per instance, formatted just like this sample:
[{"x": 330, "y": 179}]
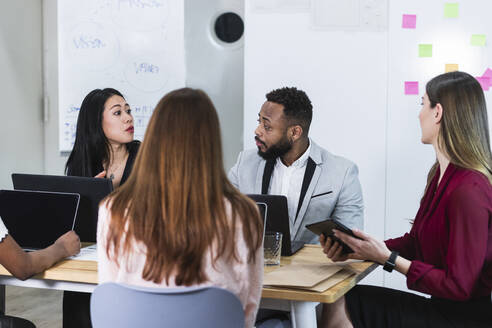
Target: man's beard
[{"x": 282, "y": 147}]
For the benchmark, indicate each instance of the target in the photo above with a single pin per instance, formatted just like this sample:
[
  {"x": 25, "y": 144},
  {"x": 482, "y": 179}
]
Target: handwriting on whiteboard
[
  {"x": 141, "y": 117},
  {"x": 147, "y": 73},
  {"x": 73, "y": 109},
  {"x": 141, "y": 3},
  {"x": 92, "y": 45},
  {"x": 141, "y": 15},
  {"x": 146, "y": 68},
  {"x": 68, "y": 133},
  {"x": 88, "y": 41}
]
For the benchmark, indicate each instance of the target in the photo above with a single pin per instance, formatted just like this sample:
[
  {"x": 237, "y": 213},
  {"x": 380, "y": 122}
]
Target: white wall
[
  {"x": 354, "y": 78},
  {"x": 54, "y": 161},
  {"x": 347, "y": 89},
  {"x": 217, "y": 68},
  {"x": 21, "y": 134}
]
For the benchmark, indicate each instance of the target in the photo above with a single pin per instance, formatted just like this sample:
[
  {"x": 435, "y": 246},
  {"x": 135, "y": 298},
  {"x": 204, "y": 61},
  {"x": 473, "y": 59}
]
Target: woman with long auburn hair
[
  {"x": 448, "y": 252},
  {"x": 178, "y": 221}
]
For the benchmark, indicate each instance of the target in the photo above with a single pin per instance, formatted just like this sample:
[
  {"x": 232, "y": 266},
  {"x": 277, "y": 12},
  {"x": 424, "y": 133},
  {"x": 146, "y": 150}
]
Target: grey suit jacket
[{"x": 333, "y": 191}]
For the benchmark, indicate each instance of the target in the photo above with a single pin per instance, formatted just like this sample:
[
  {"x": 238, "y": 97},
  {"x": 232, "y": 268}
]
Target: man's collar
[
  {"x": 315, "y": 152},
  {"x": 301, "y": 161}
]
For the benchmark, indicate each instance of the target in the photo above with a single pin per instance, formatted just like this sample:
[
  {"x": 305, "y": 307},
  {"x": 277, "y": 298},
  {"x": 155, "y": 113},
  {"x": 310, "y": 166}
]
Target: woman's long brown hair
[
  {"x": 174, "y": 201},
  {"x": 464, "y": 131}
]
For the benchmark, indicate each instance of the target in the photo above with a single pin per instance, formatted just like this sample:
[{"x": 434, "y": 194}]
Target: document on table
[
  {"x": 332, "y": 281},
  {"x": 300, "y": 275},
  {"x": 88, "y": 253}
]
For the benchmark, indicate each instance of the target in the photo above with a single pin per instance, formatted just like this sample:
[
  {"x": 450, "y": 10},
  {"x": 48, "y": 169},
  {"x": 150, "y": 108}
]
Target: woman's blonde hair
[
  {"x": 464, "y": 131},
  {"x": 174, "y": 201}
]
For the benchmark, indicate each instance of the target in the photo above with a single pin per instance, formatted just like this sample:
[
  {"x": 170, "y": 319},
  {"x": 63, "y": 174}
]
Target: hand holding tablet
[{"x": 326, "y": 228}]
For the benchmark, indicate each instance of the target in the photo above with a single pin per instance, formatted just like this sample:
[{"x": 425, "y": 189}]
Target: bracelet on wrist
[{"x": 390, "y": 263}]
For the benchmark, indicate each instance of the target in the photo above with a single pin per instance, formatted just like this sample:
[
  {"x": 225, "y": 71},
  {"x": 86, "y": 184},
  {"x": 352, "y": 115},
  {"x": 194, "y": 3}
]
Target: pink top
[{"x": 241, "y": 278}]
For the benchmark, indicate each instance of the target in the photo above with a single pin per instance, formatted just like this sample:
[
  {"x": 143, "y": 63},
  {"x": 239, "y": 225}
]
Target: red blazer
[{"x": 450, "y": 243}]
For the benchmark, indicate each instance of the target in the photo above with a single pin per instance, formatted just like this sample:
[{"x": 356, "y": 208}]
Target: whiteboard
[{"x": 134, "y": 46}]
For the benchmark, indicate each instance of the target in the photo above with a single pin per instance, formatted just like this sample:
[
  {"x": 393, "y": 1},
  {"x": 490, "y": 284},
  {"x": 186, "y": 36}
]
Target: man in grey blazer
[{"x": 318, "y": 184}]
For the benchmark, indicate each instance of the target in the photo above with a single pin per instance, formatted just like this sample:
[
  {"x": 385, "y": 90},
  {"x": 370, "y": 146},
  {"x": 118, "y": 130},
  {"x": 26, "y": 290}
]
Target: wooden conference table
[{"x": 76, "y": 275}]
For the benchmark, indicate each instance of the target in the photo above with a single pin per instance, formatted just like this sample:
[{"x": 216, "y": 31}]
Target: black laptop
[
  {"x": 37, "y": 219},
  {"x": 91, "y": 190},
  {"x": 277, "y": 220}
]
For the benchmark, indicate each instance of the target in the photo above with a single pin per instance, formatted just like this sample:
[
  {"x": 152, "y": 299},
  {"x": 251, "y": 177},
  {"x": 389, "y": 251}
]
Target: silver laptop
[{"x": 36, "y": 219}]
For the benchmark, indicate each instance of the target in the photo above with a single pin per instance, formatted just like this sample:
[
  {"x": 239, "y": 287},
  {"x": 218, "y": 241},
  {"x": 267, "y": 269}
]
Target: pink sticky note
[
  {"x": 488, "y": 73},
  {"x": 484, "y": 82},
  {"x": 411, "y": 87},
  {"x": 409, "y": 21}
]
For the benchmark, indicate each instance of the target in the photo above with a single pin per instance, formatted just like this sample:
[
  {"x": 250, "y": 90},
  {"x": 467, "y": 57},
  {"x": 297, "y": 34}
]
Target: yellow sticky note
[
  {"x": 478, "y": 40},
  {"x": 451, "y": 10},
  {"x": 425, "y": 50},
  {"x": 451, "y": 68}
]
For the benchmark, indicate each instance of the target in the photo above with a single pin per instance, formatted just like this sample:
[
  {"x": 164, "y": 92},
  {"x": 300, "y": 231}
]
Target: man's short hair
[{"x": 297, "y": 106}]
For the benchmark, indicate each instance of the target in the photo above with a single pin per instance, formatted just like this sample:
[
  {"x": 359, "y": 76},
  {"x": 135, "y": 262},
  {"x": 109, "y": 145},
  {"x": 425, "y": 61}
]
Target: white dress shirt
[
  {"x": 3, "y": 230},
  {"x": 287, "y": 181}
]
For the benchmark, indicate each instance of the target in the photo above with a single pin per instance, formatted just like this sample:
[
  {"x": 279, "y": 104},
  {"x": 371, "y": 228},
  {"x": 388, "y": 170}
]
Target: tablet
[{"x": 326, "y": 228}]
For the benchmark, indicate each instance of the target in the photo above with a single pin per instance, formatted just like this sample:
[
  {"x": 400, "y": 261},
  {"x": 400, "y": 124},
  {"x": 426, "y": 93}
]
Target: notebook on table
[
  {"x": 36, "y": 219},
  {"x": 316, "y": 277}
]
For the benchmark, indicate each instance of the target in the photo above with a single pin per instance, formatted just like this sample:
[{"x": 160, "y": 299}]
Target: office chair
[
  {"x": 7, "y": 321},
  {"x": 124, "y": 306}
]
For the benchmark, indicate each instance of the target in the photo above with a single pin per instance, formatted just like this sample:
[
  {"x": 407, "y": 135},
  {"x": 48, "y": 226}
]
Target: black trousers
[
  {"x": 379, "y": 307},
  {"x": 76, "y": 310}
]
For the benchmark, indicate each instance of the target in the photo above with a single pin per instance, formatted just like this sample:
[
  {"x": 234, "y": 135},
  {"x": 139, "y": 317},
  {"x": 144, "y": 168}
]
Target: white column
[{"x": 303, "y": 314}]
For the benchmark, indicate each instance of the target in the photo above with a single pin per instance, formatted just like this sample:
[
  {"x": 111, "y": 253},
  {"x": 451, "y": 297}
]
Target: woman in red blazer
[{"x": 448, "y": 252}]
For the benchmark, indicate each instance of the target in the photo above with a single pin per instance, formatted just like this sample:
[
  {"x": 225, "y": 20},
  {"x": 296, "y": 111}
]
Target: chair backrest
[{"x": 118, "y": 305}]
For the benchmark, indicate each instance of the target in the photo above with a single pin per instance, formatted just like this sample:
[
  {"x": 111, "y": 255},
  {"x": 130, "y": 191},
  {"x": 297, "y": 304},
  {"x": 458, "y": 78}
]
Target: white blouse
[{"x": 244, "y": 279}]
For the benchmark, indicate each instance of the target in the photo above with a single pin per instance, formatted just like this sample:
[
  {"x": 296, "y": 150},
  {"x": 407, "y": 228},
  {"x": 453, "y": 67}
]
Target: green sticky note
[
  {"x": 478, "y": 40},
  {"x": 451, "y": 10},
  {"x": 425, "y": 50}
]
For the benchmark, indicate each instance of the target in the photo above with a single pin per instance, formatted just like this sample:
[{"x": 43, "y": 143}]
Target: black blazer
[{"x": 132, "y": 150}]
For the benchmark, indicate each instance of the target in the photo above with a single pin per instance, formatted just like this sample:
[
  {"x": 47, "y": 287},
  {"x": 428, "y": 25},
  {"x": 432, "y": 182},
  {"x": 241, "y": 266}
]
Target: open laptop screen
[
  {"x": 263, "y": 208},
  {"x": 277, "y": 220},
  {"x": 36, "y": 219},
  {"x": 91, "y": 190}
]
